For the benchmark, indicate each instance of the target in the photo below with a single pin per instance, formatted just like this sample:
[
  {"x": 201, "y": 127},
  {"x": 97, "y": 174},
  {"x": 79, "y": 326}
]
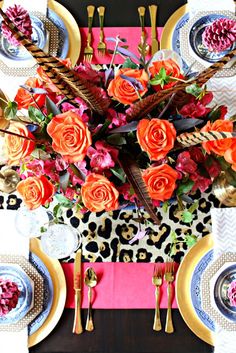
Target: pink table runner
[
  {"x": 120, "y": 286},
  {"x": 131, "y": 34}
]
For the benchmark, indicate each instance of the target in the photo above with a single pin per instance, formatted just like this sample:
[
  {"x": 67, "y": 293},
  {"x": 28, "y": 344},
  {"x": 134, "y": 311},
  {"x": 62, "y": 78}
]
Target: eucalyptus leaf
[
  {"x": 186, "y": 124},
  {"x": 63, "y": 201},
  {"x": 119, "y": 173},
  {"x": 11, "y": 110},
  {"x": 64, "y": 179},
  {"x": 125, "y": 128},
  {"x": 35, "y": 115},
  {"x": 33, "y": 90},
  {"x": 128, "y": 63},
  {"x": 52, "y": 107}
]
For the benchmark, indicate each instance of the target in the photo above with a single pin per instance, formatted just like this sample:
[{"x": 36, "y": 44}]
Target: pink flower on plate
[
  {"x": 232, "y": 293},
  {"x": 200, "y": 182},
  {"x": 185, "y": 164},
  {"x": 102, "y": 156}
]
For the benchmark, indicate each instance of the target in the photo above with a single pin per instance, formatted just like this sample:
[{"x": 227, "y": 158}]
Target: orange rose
[
  {"x": 219, "y": 146},
  {"x": 18, "y": 147},
  {"x": 70, "y": 136},
  {"x": 36, "y": 191},
  {"x": 156, "y": 137},
  {"x": 99, "y": 194},
  {"x": 23, "y": 97},
  {"x": 160, "y": 181},
  {"x": 172, "y": 69},
  {"x": 230, "y": 155},
  {"x": 122, "y": 90}
]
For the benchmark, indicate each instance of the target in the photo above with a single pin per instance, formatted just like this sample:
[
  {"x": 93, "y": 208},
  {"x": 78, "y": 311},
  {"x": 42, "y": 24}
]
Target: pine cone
[
  {"x": 220, "y": 35},
  {"x": 21, "y": 19}
]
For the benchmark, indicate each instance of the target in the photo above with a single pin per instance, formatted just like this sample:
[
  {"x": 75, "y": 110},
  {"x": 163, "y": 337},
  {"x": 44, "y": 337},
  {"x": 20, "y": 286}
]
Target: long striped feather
[
  {"x": 193, "y": 138},
  {"x": 146, "y": 105},
  {"x": 65, "y": 79}
]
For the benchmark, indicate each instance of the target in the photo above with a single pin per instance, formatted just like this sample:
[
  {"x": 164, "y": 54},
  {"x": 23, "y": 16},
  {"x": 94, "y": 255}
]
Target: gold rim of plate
[
  {"x": 167, "y": 33},
  {"x": 59, "y": 293},
  {"x": 183, "y": 293},
  {"x": 72, "y": 28}
]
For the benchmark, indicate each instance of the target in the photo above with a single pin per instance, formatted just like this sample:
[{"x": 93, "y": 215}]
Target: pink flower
[
  {"x": 200, "y": 182},
  {"x": 117, "y": 119},
  {"x": 223, "y": 111},
  {"x": 213, "y": 168},
  {"x": 197, "y": 155},
  {"x": 127, "y": 192},
  {"x": 74, "y": 178},
  {"x": 185, "y": 164},
  {"x": 102, "y": 156},
  {"x": 60, "y": 164},
  {"x": 197, "y": 108},
  {"x": 70, "y": 193},
  {"x": 232, "y": 293},
  {"x": 86, "y": 72}
]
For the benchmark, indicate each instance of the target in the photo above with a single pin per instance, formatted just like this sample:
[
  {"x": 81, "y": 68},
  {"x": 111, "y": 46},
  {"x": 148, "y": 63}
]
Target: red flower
[{"x": 185, "y": 164}]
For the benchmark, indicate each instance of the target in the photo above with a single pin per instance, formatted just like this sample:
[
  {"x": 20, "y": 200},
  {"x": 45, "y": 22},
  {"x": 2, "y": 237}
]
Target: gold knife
[
  {"x": 153, "y": 16},
  {"x": 77, "y": 327}
]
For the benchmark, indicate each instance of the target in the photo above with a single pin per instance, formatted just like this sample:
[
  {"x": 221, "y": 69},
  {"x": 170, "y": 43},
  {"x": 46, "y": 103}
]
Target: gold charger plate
[
  {"x": 59, "y": 293},
  {"x": 183, "y": 293},
  {"x": 72, "y": 28},
  {"x": 166, "y": 37}
]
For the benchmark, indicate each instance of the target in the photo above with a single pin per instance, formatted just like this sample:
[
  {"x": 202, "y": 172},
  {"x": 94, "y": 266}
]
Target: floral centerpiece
[{"x": 98, "y": 139}]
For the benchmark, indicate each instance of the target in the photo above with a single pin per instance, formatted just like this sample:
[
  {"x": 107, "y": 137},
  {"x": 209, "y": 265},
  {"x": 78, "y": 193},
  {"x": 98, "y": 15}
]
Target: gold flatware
[
  {"x": 143, "y": 47},
  {"x": 90, "y": 280},
  {"x": 169, "y": 278},
  {"x": 153, "y": 15},
  {"x": 77, "y": 327},
  {"x": 157, "y": 281},
  {"x": 88, "y": 50},
  {"x": 101, "y": 45}
]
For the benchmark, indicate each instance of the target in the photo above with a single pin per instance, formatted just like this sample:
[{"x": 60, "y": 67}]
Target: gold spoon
[
  {"x": 90, "y": 281},
  {"x": 143, "y": 47}
]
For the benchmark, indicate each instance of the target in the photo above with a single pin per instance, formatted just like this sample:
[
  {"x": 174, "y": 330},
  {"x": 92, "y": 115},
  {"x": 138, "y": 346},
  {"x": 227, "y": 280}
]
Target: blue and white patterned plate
[
  {"x": 48, "y": 293},
  {"x": 16, "y": 274},
  {"x": 176, "y": 37},
  {"x": 195, "y": 39},
  {"x": 63, "y": 45},
  {"x": 196, "y": 290},
  {"x": 221, "y": 298}
]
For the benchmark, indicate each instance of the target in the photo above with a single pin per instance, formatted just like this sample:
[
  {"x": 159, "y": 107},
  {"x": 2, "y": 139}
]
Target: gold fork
[
  {"x": 101, "y": 45},
  {"x": 169, "y": 278},
  {"x": 157, "y": 281},
  {"x": 88, "y": 50}
]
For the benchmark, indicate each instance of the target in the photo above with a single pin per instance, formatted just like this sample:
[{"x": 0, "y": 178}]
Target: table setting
[{"x": 117, "y": 177}]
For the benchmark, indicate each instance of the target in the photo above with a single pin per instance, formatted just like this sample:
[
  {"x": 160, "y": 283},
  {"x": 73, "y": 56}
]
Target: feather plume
[
  {"x": 134, "y": 177},
  {"x": 65, "y": 79},
  {"x": 146, "y": 105},
  {"x": 194, "y": 138}
]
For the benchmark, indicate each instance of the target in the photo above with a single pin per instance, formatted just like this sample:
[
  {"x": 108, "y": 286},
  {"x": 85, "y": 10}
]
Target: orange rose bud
[
  {"x": 230, "y": 155},
  {"x": 18, "y": 147},
  {"x": 172, "y": 69},
  {"x": 156, "y": 137},
  {"x": 219, "y": 146},
  {"x": 23, "y": 98},
  {"x": 70, "y": 136},
  {"x": 35, "y": 191},
  {"x": 160, "y": 181},
  {"x": 123, "y": 91},
  {"x": 99, "y": 194}
]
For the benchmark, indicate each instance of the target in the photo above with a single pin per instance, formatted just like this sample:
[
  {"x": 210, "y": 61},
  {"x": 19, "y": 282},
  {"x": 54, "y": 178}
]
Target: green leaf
[
  {"x": 194, "y": 89},
  {"x": 185, "y": 188},
  {"x": 224, "y": 165},
  {"x": 230, "y": 176},
  {"x": 119, "y": 173},
  {"x": 187, "y": 216},
  {"x": 173, "y": 250},
  {"x": 161, "y": 78},
  {"x": 57, "y": 211},
  {"x": 35, "y": 115},
  {"x": 116, "y": 140},
  {"x": 128, "y": 63},
  {"x": 11, "y": 110},
  {"x": 63, "y": 201},
  {"x": 165, "y": 206},
  {"x": 190, "y": 240},
  {"x": 193, "y": 207},
  {"x": 173, "y": 236}
]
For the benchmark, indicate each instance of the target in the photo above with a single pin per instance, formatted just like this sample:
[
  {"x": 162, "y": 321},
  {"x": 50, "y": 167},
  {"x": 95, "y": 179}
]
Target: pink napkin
[
  {"x": 131, "y": 34},
  {"x": 120, "y": 286}
]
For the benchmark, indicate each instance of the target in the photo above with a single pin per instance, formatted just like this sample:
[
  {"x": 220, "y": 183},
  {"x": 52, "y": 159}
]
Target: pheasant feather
[
  {"x": 146, "y": 105},
  {"x": 65, "y": 79},
  {"x": 194, "y": 138}
]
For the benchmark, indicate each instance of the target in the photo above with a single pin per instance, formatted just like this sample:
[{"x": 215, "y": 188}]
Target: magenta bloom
[
  {"x": 185, "y": 164},
  {"x": 232, "y": 293},
  {"x": 102, "y": 156},
  {"x": 197, "y": 108},
  {"x": 200, "y": 182},
  {"x": 117, "y": 119}
]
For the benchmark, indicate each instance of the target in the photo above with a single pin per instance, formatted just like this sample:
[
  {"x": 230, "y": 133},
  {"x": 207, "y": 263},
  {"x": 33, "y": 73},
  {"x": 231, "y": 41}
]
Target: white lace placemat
[
  {"x": 205, "y": 5},
  {"x": 12, "y": 243},
  {"x": 224, "y": 234}
]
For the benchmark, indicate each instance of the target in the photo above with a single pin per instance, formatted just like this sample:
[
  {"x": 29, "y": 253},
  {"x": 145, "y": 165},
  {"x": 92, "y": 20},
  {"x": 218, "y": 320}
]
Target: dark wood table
[{"x": 121, "y": 331}]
